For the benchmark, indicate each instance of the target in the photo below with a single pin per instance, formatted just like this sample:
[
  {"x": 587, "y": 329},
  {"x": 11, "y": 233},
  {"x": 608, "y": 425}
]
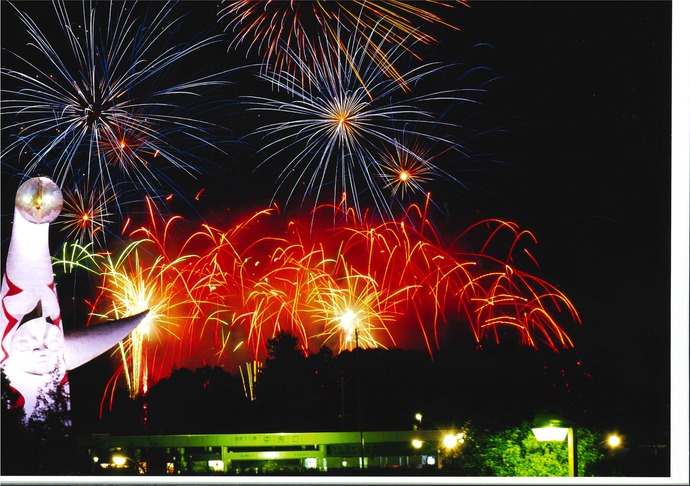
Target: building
[{"x": 267, "y": 452}]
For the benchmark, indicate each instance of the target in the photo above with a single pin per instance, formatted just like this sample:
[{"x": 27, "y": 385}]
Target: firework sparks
[
  {"x": 504, "y": 295},
  {"x": 340, "y": 121},
  {"x": 356, "y": 313},
  {"x": 88, "y": 102},
  {"x": 408, "y": 168},
  {"x": 219, "y": 294},
  {"x": 249, "y": 375},
  {"x": 85, "y": 215},
  {"x": 276, "y": 28}
]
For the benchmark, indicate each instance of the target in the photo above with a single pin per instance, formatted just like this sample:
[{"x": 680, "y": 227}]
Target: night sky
[
  {"x": 581, "y": 108},
  {"x": 588, "y": 89}
]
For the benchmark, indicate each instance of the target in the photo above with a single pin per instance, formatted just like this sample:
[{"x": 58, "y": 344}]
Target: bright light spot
[
  {"x": 26, "y": 199},
  {"x": 550, "y": 433},
  {"x": 404, "y": 176},
  {"x": 452, "y": 440},
  {"x": 85, "y": 217},
  {"x": 216, "y": 465},
  {"x": 122, "y": 144},
  {"x": 418, "y": 417},
  {"x": 348, "y": 319},
  {"x": 614, "y": 440},
  {"x": 145, "y": 325},
  {"x": 430, "y": 460},
  {"x": 119, "y": 461},
  {"x": 449, "y": 441},
  {"x": 416, "y": 443}
]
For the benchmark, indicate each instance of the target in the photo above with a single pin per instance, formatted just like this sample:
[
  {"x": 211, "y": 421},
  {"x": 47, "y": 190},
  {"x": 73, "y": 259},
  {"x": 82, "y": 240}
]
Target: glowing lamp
[
  {"x": 119, "y": 460},
  {"x": 417, "y": 444},
  {"x": 450, "y": 441},
  {"x": 550, "y": 433},
  {"x": 550, "y": 429},
  {"x": 613, "y": 440}
]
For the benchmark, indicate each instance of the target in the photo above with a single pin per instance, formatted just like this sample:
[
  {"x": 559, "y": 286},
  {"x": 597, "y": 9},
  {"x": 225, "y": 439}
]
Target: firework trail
[
  {"x": 395, "y": 282},
  {"x": 503, "y": 295},
  {"x": 250, "y": 374},
  {"x": 218, "y": 294},
  {"x": 277, "y": 28},
  {"x": 97, "y": 102},
  {"x": 148, "y": 273}
]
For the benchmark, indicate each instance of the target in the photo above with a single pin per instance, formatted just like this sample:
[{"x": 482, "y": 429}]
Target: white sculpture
[{"x": 35, "y": 353}]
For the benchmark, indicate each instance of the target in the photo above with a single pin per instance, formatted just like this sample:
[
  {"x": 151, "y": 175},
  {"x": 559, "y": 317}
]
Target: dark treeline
[{"x": 375, "y": 389}]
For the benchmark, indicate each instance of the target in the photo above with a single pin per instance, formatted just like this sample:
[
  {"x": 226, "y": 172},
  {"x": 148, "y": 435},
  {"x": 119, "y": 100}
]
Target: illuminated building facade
[{"x": 266, "y": 452}]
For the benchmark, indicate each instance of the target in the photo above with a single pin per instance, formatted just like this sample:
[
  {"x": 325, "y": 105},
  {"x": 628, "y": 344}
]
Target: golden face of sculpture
[{"x": 39, "y": 200}]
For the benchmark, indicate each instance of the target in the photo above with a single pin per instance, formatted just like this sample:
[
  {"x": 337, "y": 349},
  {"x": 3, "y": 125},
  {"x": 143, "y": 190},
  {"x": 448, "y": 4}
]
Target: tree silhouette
[
  {"x": 16, "y": 442},
  {"x": 43, "y": 444},
  {"x": 208, "y": 400},
  {"x": 286, "y": 387}
]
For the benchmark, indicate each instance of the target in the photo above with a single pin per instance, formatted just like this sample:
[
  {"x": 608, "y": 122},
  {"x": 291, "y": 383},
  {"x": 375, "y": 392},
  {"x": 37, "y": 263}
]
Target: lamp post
[
  {"x": 359, "y": 402},
  {"x": 120, "y": 460},
  {"x": 418, "y": 444},
  {"x": 552, "y": 429}
]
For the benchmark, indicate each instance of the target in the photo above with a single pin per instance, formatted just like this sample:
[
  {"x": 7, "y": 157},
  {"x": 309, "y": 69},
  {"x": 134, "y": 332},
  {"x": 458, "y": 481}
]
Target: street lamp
[
  {"x": 120, "y": 460},
  {"x": 452, "y": 440},
  {"x": 614, "y": 441},
  {"x": 449, "y": 442},
  {"x": 554, "y": 429},
  {"x": 418, "y": 418},
  {"x": 359, "y": 401},
  {"x": 430, "y": 460}
]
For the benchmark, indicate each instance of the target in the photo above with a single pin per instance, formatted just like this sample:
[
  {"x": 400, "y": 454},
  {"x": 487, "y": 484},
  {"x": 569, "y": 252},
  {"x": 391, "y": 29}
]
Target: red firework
[{"x": 329, "y": 278}]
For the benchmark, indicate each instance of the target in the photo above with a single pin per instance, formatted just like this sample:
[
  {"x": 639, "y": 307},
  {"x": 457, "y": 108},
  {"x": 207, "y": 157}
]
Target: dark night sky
[
  {"x": 585, "y": 94},
  {"x": 588, "y": 90}
]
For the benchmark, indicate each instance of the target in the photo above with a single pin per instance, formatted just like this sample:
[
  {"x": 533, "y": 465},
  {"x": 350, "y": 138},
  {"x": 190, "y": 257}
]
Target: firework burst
[
  {"x": 407, "y": 168},
  {"x": 88, "y": 102},
  {"x": 86, "y": 216},
  {"x": 339, "y": 122},
  {"x": 218, "y": 294}
]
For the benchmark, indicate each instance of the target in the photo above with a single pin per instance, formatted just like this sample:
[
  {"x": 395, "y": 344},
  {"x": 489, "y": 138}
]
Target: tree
[
  {"x": 285, "y": 387},
  {"x": 208, "y": 400},
  {"x": 43, "y": 444},
  {"x": 16, "y": 444},
  {"x": 515, "y": 452}
]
